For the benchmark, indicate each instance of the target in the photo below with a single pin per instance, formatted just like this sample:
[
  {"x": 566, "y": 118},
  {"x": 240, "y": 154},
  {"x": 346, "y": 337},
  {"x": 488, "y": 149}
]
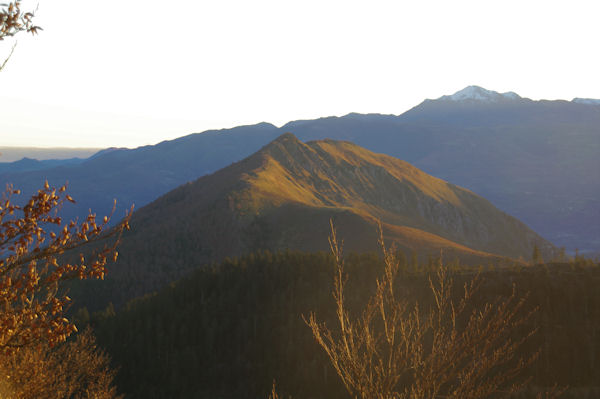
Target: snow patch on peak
[
  {"x": 480, "y": 94},
  {"x": 588, "y": 101},
  {"x": 472, "y": 93},
  {"x": 511, "y": 94}
]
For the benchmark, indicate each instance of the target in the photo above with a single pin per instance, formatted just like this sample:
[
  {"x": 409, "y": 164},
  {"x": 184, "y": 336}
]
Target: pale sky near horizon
[{"x": 131, "y": 73}]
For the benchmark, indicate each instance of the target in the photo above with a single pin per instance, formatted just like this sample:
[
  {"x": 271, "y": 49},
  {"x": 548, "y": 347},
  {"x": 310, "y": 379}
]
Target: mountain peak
[
  {"x": 286, "y": 141},
  {"x": 286, "y": 137},
  {"x": 477, "y": 93}
]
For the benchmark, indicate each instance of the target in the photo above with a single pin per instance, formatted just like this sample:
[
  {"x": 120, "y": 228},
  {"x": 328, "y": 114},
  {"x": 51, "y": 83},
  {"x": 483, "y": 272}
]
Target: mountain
[
  {"x": 283, "y": 196},
  {"x": 138, "y": 176},
  {"x": 12, "y": 154},
  {"x": 29, "y": 164},
  {"x": 536, "y": 160}
]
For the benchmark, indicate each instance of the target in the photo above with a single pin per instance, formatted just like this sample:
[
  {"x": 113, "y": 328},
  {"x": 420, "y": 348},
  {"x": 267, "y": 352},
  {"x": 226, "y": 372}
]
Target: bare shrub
[{"x": 452, "y": 349}]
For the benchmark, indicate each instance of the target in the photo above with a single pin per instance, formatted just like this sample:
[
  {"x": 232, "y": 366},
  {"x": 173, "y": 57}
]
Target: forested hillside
[{"x": 229, "y": 330}]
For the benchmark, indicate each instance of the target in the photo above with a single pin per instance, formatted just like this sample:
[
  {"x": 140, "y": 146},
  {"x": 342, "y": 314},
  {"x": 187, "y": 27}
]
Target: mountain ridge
[{"x": 536, "y": 160}]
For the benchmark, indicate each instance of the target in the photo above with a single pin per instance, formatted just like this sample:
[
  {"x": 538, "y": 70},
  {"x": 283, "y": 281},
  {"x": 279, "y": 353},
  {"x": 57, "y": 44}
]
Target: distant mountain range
[
  {"x": 536, "y": 160},
  {"x": 283, "y": 196},
  {"x": 29, "y": 164},
  {"x": 12, "y": 154}
]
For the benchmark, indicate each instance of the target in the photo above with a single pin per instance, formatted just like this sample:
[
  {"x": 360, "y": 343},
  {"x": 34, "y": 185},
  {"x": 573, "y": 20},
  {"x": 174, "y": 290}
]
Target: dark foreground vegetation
[{"x": 228, "y": 330}]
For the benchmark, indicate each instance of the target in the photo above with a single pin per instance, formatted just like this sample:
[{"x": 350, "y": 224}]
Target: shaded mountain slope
[{"x": 284, "y": 196}]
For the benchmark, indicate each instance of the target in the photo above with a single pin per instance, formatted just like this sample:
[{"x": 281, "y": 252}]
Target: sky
[{"x": 131, "y": 73}]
